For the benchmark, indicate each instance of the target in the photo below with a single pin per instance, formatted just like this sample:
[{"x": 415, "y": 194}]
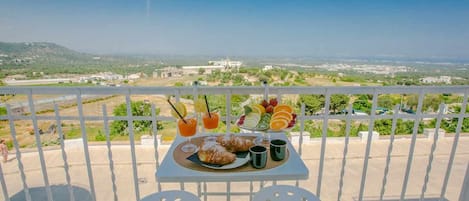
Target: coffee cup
[
  {"x": 258, "y": 156},
  {"x": 277, "y": 149}
]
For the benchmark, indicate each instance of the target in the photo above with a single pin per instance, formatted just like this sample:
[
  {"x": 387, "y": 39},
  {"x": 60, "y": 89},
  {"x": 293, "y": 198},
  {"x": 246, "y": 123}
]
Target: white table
[{"x": 293, "y": 169}]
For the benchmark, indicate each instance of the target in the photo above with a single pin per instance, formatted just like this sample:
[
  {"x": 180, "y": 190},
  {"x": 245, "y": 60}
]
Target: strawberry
[
  {"x": 265, "y": 103},
  {"x": 273, "y": 102},
  {"x": 293, "y": 115},
  {"x": 291, "y": 124},
  {"x": 269, "y": 109},
  {"x": 241, "y": 120}
]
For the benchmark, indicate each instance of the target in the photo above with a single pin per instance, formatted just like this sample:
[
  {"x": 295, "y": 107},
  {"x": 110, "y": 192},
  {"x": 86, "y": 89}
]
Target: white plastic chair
[
  {"x": 284, "y": 192},
  {"x": 174, "y": 195}
]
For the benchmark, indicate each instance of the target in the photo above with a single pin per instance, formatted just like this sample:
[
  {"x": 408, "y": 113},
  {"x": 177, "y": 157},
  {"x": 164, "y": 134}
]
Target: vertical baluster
[
  {"x": 279, "y": 96},
  {"x": 418, "y": 115},
  {"x": 39, "y": 146},
  {"x": 4, "y": 185},
  {"x": 64, "y": 154},
  {"x": 109, "y": 151},
  {"x": 178, "y": 98},
  {"x": 18, "y": 157},
  {"x": 130, "y": 127},
  {"x": 84, "y": 137},
  {"x": 344, "y": 157},
  {"x": 455, "y": 145},
  {"x": 205, "y": 191},
  {"x": 464, "y": 193},
  {"x": 228, "y": 112},
  {"x": 228, "y": 191},
  {"x": 251, "y": 189},
  {"x": 301, "y": 117},
  {"x": 195, "y": 93},
  {"x": 432, "y": 151},
  {"x": 368, "y": 144},
  {"x": 390, "y": 147},
  {"x": 302, "y": 128},
  {"x": 323, "y": 142},
  {"x": 154, "y": 125}
]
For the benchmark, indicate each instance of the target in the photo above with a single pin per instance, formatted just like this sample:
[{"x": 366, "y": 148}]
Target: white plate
[
  {"x": 237, "y": 163},
  {"x": 262, "y": 130}
]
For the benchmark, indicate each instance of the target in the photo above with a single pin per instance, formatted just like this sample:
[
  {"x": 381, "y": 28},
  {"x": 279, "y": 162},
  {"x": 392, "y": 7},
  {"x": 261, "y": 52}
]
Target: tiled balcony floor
[{"x": 311, "y": 154}]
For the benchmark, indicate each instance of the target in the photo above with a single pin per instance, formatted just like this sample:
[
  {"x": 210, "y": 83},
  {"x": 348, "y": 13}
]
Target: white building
[
  {"x": 441, "y": 79},
  {"x": 187, "y": 70},
  {"x": 101, "y": 76},
  {"x": 268, "y": 67},
  {"x": 134, "y": 76},
  {"x": 37, "y": 82},
  {"x": 226, "y": 63},
  {"x": 167, "y": 72}
]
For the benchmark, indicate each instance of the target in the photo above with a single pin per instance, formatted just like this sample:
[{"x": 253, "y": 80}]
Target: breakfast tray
[{"x": 181, "y": 159}]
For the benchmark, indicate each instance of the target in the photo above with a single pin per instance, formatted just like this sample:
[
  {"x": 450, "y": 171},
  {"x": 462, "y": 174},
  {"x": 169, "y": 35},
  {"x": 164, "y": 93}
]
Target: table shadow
[{"x": 59, "y": 192}]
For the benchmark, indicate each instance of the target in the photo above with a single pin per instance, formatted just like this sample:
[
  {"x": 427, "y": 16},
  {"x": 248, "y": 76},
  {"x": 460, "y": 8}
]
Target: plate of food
[
  {"x": 267, "y": 116},
  {"x": 226, "y": 152}
]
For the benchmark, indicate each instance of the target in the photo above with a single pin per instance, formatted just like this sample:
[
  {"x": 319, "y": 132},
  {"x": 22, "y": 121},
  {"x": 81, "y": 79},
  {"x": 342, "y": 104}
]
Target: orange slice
[
  {"x": 281, "y": 117},
  {"x": 278, "y": 124},
  {"x": 283, "y": 107},
  {"x": 284, "y": 114}
]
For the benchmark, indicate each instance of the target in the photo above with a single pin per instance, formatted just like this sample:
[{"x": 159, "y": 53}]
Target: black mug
[
  {"x": 258, "y": 156},
  {"x": 277, "y": 149}
]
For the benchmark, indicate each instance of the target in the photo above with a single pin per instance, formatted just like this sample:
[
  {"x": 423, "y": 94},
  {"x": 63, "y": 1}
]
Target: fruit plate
[
  {"x": 241, "y": 126},
  {"x": 241, "y": 159}
]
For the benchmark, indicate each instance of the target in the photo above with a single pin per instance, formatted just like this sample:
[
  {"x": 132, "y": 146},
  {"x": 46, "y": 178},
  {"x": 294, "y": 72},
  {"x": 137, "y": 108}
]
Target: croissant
[
  {"x": 214, "y": 153},
  {"x": 235, "y": 143}
]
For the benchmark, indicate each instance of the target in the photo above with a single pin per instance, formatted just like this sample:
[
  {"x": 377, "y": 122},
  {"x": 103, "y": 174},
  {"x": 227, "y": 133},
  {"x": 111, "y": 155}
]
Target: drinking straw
[
  {"x": 179, "y": 114},
  {"x": 208, "y": 109}
]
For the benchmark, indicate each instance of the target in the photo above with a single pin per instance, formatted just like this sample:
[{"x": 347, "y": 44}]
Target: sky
[{"x": 317, "y": 28}]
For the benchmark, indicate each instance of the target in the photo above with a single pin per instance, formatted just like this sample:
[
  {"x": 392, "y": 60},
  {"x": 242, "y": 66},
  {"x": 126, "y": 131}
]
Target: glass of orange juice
[
  {"x": 188, "y": 129},
  {"x": 210, "y": 121}
]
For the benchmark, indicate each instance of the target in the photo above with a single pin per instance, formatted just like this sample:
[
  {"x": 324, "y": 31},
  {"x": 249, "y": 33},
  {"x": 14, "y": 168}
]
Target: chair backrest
[
  {"x": 284, "y": 192},
  {"x": 174, "y": 195}
]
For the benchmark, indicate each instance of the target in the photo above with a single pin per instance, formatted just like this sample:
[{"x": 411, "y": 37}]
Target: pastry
[
  {"x": 212, "y": 152},
  {"x": 235, "y": 143}
]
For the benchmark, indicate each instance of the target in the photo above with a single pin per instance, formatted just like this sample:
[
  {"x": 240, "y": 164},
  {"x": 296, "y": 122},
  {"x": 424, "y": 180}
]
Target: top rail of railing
[{"x": 236, "y": 90}]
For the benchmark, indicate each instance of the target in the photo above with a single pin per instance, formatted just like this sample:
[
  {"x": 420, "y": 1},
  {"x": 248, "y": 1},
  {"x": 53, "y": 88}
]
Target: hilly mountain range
[
  {"x": 39, "y": 52},
  {"x": 27, "y": 57}
]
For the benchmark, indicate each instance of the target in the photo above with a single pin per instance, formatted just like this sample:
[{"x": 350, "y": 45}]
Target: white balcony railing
[{"x": 316, "y": 180}]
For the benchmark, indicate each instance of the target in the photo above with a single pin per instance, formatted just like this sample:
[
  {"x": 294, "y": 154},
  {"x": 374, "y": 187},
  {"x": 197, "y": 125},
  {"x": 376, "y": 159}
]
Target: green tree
[
  {"x": 3, "y": 111},
  {"x": 362, "y": 103},
  {"x": 432, "y": 102},
  {"x": 313, "y": 103},
  {"x": 457, "y": 109},
  {"x": 178, "y": 84},
  {"x": 138, "y": 108},
  {"x": 449, "y": 125},
  {"x": 387, "y": 101},
  {"x": 238, "y": 79},
  {"x": 339, "y": 102},
  {"x": 412, "y": 101},
  {"x": 201, "y": 71}
]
